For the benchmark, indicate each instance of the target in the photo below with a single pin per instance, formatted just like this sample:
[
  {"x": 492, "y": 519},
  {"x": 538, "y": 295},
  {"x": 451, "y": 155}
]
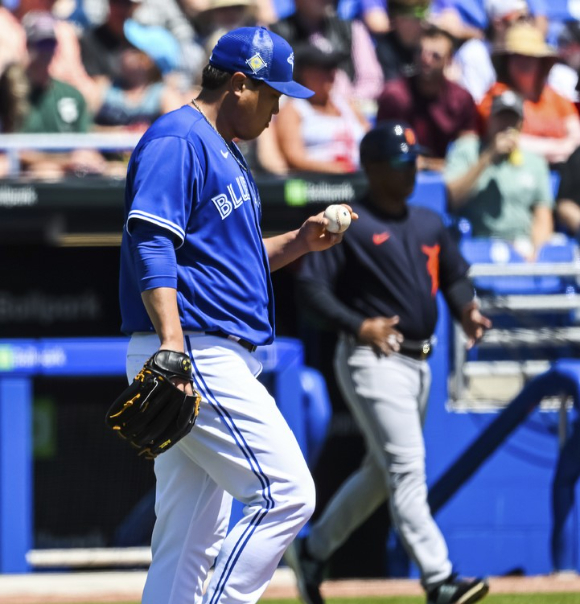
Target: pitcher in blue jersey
[{"x": 195, "y": 278}]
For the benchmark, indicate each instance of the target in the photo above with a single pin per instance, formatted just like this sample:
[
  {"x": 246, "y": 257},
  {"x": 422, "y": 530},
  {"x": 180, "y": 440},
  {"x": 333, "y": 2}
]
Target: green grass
[{"x": 558, "y": 598}]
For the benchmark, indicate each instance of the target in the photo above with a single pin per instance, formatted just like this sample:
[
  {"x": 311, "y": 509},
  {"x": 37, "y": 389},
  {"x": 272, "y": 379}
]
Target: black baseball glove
[{"x": 152, "y": 413}]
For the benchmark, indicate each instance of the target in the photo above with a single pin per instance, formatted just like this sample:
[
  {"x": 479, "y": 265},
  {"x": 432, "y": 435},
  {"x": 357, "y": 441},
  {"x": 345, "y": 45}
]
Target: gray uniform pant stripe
[{"x": 387, "y": 397}]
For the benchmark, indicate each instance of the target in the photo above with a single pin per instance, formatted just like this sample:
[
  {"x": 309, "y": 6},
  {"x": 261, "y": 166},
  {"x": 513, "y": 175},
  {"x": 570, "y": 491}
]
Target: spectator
[
  {"x": 221, "y": 16},
  {"x": 140, "y": 95},
  {"x": 463, "y": 19},
  {"x": 169, "y": 15},
  {"x": 13, "y": 47},
  {"x": 563, "y": 77},
  {"x": 551, "y": 124},
  {"x": 53, "y": 105},
  {"x": 266, "y": 11},
  {"x": 322, "y": 133},
  {"x": 397, "y": 49},
  {"x": 14, "y": 91},
  {"x": 101, "y": 47},
  {"x": 373, "y": 13},
  {"x": 359, "y": 76},
  {"x": 503, "y": 191},
  {"x": 467, "y": 19},
  {"x": 438, "y": 110},
  {"x": 472, "y": 62},
  {"x": 568, "y": 198},
  {"x": 66, "y": 64}
]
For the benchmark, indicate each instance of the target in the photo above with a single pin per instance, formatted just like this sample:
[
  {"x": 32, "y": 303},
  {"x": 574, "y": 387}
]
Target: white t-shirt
[{"x": 330, "y": 137}]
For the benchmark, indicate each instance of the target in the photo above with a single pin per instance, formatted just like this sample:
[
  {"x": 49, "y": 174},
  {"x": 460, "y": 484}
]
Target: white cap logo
[{"x": 290, "y": 60}]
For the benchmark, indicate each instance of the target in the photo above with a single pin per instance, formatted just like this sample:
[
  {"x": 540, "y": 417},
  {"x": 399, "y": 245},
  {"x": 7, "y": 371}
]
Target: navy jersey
[
  {"x": 183, "y": 179},
  {"x": 387, "y": 266}
]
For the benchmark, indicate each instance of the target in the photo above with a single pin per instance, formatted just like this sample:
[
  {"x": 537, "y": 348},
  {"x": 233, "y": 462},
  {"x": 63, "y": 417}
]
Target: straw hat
[
  {"x": 215, "y": 4},
  {"x": 525, "y": 39}
]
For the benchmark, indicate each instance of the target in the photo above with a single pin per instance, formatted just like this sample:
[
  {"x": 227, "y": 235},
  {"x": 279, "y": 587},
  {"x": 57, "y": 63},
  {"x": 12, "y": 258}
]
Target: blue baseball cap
[
  {"x": 156, "y": 42},
  {"x": 261, "y": 55}
]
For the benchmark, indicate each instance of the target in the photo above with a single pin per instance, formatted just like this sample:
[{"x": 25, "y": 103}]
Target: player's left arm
[{"x": 312, "y": 236}]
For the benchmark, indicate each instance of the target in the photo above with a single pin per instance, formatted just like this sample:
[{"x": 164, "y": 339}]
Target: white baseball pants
[
  {"x": 387, "y": 396},
  {"x": 240, "y": 446}
]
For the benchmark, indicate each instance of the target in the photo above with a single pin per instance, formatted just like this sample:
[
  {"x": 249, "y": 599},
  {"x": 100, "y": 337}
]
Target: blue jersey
[{"x": 183, "y": 179}]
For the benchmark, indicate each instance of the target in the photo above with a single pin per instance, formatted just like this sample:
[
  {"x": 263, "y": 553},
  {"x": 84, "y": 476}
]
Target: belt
[
  {"x": 420, "y": 351},
  {"x": 243, "y": 343}
]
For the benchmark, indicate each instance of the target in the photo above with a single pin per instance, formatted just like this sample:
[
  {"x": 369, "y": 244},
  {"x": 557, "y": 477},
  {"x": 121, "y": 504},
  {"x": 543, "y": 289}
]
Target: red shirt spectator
[{"x": 437, "y": 109}]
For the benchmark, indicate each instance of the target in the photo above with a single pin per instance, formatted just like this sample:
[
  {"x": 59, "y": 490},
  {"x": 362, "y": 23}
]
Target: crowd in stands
[{"x": 489, "y": 86}]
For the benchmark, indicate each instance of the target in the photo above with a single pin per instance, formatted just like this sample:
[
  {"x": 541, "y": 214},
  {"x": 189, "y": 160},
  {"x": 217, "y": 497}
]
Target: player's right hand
[{"x": 380, "y": 334}]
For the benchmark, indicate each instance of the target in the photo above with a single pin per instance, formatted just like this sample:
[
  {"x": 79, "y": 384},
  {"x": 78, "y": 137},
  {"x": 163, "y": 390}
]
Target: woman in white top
[{"x": 322, "y": 133}]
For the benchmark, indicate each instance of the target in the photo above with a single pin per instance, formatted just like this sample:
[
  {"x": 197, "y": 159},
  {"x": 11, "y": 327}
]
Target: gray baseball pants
[{"x": 387, "y": 396}]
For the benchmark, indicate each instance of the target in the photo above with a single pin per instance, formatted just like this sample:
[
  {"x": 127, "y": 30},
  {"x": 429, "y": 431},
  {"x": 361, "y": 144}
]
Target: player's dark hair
[{"x": 213, "y": 78}]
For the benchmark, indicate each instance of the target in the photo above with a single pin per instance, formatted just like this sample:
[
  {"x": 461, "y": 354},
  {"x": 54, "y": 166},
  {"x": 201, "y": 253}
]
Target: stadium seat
[
  {"x": 561, "y": 250},
  {"x": 494, "y": 251},
  {"x": 317, "y": 411}
]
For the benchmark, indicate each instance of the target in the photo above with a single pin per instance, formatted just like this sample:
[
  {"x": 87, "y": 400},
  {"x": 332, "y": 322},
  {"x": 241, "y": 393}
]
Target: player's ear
[{"x": 238, "y": 83}]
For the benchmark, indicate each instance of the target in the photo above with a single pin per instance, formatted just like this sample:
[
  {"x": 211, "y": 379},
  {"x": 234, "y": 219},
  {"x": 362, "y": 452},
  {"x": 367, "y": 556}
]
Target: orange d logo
[{"x": 410, "y": 136}]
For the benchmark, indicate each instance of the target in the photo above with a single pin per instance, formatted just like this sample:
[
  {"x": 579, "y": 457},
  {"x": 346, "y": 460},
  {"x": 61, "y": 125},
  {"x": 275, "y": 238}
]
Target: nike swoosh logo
[
  {"x": 380, "y": 238},
  {"x": 224, "y": 154}
]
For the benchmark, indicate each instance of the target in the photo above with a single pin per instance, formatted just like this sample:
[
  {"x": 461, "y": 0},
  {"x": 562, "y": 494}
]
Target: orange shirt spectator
[
  {"x": 523, "y": 61},
  {"x": 546, "y": 117}
]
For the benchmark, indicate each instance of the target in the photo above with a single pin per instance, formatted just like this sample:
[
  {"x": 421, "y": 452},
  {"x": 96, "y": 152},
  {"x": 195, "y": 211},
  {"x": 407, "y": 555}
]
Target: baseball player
[
  {"x": 195, "y": 279},
  {"x": 379, "y": 290}
]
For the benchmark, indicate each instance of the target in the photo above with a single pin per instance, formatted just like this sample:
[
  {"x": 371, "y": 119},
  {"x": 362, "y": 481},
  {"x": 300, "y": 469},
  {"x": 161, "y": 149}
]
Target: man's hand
[
  {"x": 474, "y": 323},
  {"x": 504, "y": 143},
  {"x": 380, "y": 334},
  {"x": 314, "y": 236}
]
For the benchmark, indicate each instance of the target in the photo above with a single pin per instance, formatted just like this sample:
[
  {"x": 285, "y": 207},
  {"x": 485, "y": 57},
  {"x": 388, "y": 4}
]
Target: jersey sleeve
[
  {"x": 164, "y": 180},
  {"x": 453, "y": 265},
  {"x": 316, "y": 290},
  {"x": 456, "y": 286}
]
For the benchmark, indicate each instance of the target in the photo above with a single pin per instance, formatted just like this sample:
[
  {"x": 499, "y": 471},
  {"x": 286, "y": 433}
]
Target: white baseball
[{"x": 338, "y": 218}]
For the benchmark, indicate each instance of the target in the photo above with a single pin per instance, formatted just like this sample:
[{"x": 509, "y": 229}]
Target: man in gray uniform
[{"x": 379, "y": 291}]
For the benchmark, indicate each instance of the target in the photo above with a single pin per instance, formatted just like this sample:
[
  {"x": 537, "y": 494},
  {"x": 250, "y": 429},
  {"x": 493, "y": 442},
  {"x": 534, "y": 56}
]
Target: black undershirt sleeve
[
  {"x": 326, "y": 309},
  {"x": 317, "y": 285},
  {"x": 458, "y": 295},
  {"x": 455, "y": 284}
]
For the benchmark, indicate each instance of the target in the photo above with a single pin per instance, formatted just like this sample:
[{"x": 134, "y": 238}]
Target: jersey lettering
[
  {"x": 223, "y": 204},
  {"x": 237, "y": 201},
  {"x": 243, "y": 185},
  {"x": 432, "y": 253}
]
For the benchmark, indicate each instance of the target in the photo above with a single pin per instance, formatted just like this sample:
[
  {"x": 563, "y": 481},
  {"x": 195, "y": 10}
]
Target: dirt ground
[
  {"x": 346, "y": 588},
  {"x": 403, "y": 587}
]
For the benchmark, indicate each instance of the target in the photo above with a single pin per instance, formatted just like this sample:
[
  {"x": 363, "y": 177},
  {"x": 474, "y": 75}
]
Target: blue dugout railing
[{"x": 22, "y": 360}]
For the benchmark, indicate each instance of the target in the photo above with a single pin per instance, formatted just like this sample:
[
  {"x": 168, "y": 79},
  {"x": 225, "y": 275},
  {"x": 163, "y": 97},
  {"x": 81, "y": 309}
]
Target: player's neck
[
  {"x": 212, "y": 107},
  {"x": 389, "y": 204}
]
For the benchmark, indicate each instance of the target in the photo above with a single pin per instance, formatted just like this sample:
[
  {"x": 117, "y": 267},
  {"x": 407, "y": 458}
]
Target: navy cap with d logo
[
  {"x": 390, "y": 140},
  {"x": 261, "y": 55}
]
